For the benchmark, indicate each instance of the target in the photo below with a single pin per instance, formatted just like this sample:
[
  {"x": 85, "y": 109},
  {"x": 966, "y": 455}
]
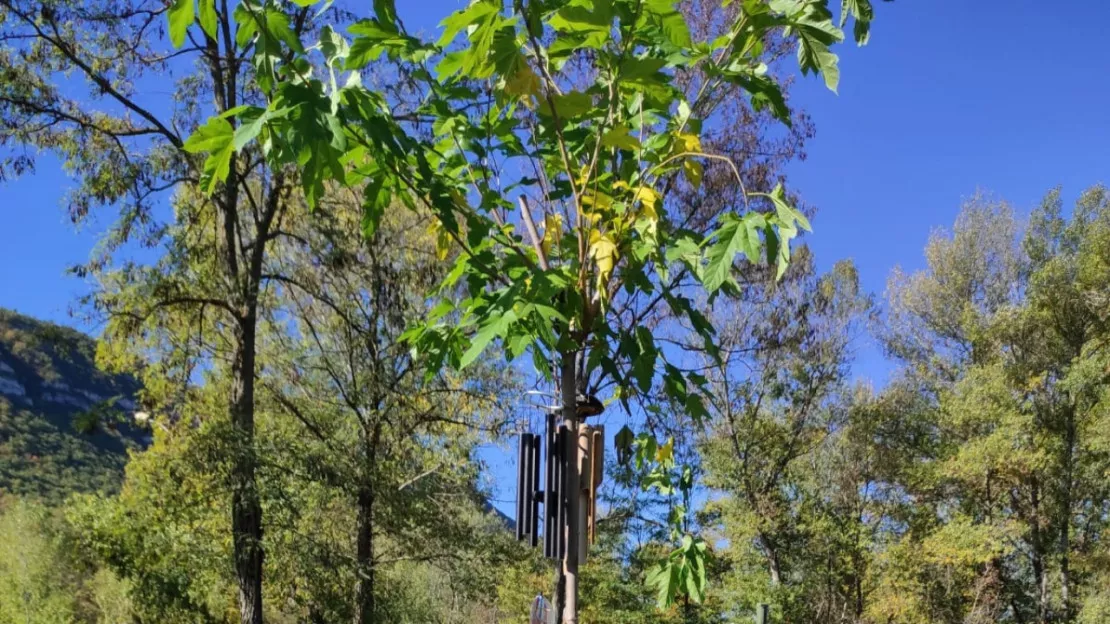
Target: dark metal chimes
[{"x": 558, "y": 443}]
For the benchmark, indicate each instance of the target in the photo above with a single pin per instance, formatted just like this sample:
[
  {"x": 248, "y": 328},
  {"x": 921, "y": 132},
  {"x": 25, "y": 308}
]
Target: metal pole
[{"x": 568, "y": 391}]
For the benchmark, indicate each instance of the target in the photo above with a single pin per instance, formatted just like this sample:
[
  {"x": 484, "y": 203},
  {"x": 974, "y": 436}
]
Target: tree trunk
[
  {"x": 773, "y": 564},
  {"x": 568, "y": 386},
  {"x": 364, "y": 594},
  {"x": 1037, "y": 556},
  {"x": 1065, "y": 516},
  {"x": 365, "y": 608},
  {"x": 246, "y": 512}
]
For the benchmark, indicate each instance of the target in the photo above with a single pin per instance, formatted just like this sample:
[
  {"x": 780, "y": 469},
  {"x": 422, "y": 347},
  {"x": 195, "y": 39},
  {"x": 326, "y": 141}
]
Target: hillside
[{"x": 61, "y": 419}]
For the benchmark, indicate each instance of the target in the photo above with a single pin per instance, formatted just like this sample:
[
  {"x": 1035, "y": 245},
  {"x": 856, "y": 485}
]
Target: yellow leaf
[
  {"x": 583, "y": 177},
  {"x": 665, "y": 452},
  {"x": 443, "y": 239},
  {"x": 524, "y": 82},
  {"x": 649, "y": 199},
  {"x": 604, "y": 252},
  {"x": 552, "y": 232},
  {"x": 596, "y": 199},
  {"x": 688, "y": 142},
  {"x": 693, "y": 171}
]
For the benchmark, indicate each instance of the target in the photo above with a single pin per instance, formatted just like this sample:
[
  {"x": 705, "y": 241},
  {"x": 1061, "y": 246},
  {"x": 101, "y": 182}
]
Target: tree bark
[
  {"x": 364, "y": 594},
  {"x": 364, "y": 591},
  {"x": 1038, "y": 553},
  {"x": 773, "y": 565},
  {"x": 1070, "y": 436},
  {"x": 246, "y": 512}
]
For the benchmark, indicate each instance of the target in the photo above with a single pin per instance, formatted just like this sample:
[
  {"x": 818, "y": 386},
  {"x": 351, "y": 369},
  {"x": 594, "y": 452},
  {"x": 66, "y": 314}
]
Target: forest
[{"x": 348, "y": 263}]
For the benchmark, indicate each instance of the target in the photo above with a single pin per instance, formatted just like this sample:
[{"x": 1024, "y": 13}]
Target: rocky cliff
[{"x": 64, "y": 425}]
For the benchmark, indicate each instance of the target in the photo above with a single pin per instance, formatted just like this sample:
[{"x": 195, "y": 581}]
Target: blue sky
[{"x": 950, "y": 96}]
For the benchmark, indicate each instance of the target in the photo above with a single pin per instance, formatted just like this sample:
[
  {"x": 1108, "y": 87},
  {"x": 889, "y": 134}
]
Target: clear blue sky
[
  {"x": 950, "y": 96},
  {"x": 1009, "y": 96}
]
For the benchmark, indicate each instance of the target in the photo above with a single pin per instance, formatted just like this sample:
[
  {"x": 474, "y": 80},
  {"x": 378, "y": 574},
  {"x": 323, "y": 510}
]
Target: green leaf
[
  {"x": 375, "y": 198},
  {"x": 495, "y": 327},
  {"x": 208, "y": 18},
  {"x": 363, "y": 50},
  {"x": 638, "y": 68},
  {"x": 646, "y": 446},
  {"x": 817, "y": 56},
  {"x": 733, "y": 237},
  {"x": 246, "y": 26},
  {"x": 787, "y": 215},
  {"x": 812, "y": 23},
  {"x": 277, "y": 25},
  {"x": 250, "y": 127},
  {"x": 620, "y": 138},
  {"x": 372, "y": 38},
  {"x": 386, "y": 12},
  {"x": 181, "y": 16},
  {"x": 334, "y": 47},
  {"x": 670, "y": 20},
  {"x": 643, "y": 366},
  {"x": 457, "y": 21},
  {"x": 568, "y": 105},
  {"x": 214, "y": 137},
  {"x": 695, "y": 407},
  {"x": 623, "y": 442},
  {"x": 210, "y": 137},
  {"x": 664, "y": 578},
  {"x": 764, "y": 92},
  {"x": 862, "y": 13},
  {"x": 694, "y": 569},
  {"x": 579, "y": 19}
]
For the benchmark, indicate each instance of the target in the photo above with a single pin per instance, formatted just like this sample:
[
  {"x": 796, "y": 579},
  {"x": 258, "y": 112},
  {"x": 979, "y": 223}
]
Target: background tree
[
  {"x": 1002, "y": 338},
  {"x": 373, "y": 429},
  {"x": 35, "y": 580},
  {"x": 366, "y": 469},
  {"x": 794, "y": 503},
  {"x": 128, "y": 150}
]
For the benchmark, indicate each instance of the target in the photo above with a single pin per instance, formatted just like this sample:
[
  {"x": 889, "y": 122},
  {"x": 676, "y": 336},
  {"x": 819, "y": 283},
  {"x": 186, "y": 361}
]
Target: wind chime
[{"x": 557, "y": 439}]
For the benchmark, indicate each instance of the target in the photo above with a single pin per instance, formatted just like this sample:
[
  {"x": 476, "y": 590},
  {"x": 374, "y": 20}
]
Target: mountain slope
[{"x": 49, "y": 389}]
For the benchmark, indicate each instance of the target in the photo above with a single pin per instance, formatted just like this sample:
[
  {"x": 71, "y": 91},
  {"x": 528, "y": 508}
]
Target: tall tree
[
  {"x": 85, "y": 81},
  {"x": 365, "y": 467},
  {"x": 780, "y": 445},
  {"x": 397, "y": 444},
  {"x": 1002, "y": 335}
]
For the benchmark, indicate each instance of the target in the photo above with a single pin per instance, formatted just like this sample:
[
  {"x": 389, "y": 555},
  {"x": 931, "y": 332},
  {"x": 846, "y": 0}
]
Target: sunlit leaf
[
  {"x": 216, "y": 138},
  {"x": 181, "y": 16}
]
